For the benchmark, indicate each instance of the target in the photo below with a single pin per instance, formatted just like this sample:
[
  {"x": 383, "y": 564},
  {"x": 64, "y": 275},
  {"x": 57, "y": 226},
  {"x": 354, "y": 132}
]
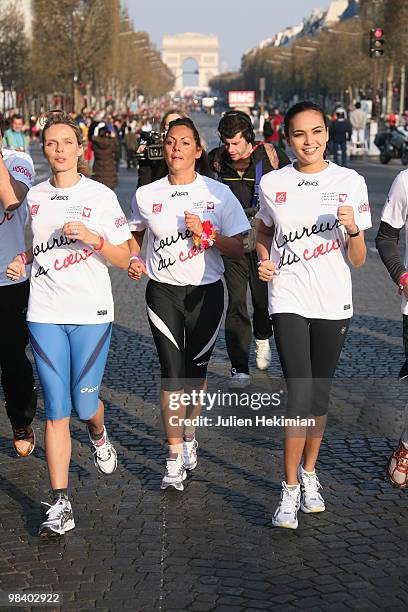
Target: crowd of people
[{"x": 243, "y": 213}]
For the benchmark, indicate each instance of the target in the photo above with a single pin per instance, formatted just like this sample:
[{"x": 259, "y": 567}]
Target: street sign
[{"x": 241, "y": 98}]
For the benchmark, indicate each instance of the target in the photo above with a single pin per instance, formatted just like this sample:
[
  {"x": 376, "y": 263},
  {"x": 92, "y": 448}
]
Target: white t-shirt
[
  {"x": 395, "y": 213},
  {"x": 12, "y": 223},
  {"x": 69, "y": 280},
  {"x": 313, "y": 278},
  {"x": 171, "y": 257}
]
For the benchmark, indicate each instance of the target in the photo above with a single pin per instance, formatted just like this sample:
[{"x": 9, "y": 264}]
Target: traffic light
[{"x": 376, "y": 42}]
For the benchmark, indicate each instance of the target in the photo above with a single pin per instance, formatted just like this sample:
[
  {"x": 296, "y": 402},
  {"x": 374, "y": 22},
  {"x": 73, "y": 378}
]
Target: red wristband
[
  {"x": 100, "y": 245},
  {"x": 23, "y": 257}
]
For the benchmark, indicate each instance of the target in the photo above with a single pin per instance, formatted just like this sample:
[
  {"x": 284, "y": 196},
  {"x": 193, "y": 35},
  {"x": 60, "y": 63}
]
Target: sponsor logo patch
[
  {"x": 34, "y": 209},
  {"x": 210, "y": 205},
  {"x": 23, "y": 170},
  {"x": 101, "y": 313},
  {"x": 156, "y": 209},
  {"x": 342, "y": 197},
  {"x": 55, "y": 196},
  {"x": 365, "y": 207},
  {"x": 280, "y": 197},
  {"x": 86, "y": 212},
  {"x": 330, "y": 198},
  {"x": 121, "y": 221}
]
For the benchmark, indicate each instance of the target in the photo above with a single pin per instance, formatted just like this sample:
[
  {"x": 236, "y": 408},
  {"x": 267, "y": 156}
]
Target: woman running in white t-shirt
[
  {"x": 78, "y": 228},
  {"x": 310, "y": 225},
  {"x": 191, "y": 221}
]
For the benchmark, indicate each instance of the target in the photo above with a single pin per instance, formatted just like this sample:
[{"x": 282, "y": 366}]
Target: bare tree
[{"x": 14, "y": 52}]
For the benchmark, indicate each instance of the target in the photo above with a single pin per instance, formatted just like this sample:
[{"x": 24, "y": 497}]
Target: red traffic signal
[{"x": 377, "y": 42}]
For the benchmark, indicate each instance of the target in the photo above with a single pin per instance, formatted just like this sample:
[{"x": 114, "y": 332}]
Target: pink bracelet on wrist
[
  {"x": 262, "y": 260},
  {"x": 23, "y": 257},
  {"x": 401, "y": 282}
]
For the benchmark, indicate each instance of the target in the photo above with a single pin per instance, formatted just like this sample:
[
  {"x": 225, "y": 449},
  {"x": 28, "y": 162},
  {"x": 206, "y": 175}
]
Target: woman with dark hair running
[
  {"x": 394, "y": 218},
  {"x": 310, "y": 226},
  {"x": 192, "y": 220},
  {"x": 78, "y": 229}
]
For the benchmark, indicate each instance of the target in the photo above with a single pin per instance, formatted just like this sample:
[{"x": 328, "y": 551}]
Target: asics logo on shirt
[
  {"x": 305, "y": 183},
  {"x": 55, "y": 196},
  {"x": 179, "y": 193}
]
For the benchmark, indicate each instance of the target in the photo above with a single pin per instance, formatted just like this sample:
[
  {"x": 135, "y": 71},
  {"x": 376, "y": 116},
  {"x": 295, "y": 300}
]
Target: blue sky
[{"x": 237, "y": 26}]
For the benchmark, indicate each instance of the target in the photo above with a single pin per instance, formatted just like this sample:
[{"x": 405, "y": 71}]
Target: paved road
[{"x": 213, "y": 547}]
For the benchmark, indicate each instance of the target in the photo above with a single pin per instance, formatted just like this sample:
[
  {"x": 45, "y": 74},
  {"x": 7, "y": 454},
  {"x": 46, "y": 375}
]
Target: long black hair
[
  {"x": 300, "y": 107},
  {"x": 202, "y": 165}
]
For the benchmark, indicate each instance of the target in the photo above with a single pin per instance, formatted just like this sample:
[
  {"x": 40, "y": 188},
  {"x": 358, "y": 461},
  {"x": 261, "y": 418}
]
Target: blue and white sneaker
[{"x": 190, "y": 454}]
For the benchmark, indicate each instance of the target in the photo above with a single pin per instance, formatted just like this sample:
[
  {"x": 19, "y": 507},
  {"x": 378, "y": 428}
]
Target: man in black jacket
[
  {"x": 340, "y": 133},
  {"x": 240, "y": 163}
]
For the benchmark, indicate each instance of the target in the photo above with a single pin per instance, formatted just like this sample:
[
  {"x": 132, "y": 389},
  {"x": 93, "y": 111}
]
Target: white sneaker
[
  {"x": 190, "y": 454},
  {"x": 175, "y": 474},
  {"x": 239, "y": 380},
  {"x": 311, "y": 500},
  {"x": 105, "y": 456},
  {"x": 263, "y": 354},
  {"x": 59, "y": 518},
  {"x": 286, "y": 512}
]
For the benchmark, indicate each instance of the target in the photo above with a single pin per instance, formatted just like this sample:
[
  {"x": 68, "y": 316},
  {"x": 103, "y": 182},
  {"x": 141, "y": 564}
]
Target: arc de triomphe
[{"x": 203, "y": 49}]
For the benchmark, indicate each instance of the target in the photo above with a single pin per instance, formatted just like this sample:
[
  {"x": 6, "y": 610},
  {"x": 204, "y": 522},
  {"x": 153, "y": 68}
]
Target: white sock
[{"x": 175, "y": 449}]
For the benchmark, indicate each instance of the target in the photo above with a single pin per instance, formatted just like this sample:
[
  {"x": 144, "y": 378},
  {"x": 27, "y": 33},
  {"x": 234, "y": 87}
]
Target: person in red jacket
[{"x": 272, "y": 127}]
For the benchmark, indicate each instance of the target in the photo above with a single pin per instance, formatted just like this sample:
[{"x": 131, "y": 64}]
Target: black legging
[
  {"x": 16, "y": 371},
  {"x": 309, "y": 350}
]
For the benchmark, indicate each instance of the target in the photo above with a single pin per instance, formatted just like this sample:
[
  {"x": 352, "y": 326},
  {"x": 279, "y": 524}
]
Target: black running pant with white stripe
[{"x": 185, "y": 322}]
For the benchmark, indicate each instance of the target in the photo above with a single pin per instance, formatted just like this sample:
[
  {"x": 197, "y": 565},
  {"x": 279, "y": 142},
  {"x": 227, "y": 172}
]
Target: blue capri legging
[{"x": 70, "y": 361}]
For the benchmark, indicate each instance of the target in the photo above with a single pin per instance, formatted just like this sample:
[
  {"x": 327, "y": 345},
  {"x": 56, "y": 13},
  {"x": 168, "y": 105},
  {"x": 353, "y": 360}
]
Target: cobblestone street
[{"x": 213, "y": 547}]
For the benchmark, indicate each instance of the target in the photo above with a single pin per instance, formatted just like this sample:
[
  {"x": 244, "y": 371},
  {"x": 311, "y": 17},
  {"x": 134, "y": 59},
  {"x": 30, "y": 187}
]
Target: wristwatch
[{"x": 355, "y": 233}]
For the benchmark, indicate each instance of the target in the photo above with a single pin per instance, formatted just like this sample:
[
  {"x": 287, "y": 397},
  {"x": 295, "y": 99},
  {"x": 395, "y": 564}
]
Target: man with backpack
[{"x": 240, "y": 163}]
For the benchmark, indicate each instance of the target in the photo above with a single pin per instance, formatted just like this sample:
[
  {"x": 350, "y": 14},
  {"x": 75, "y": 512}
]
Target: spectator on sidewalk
[
  {"x": 106, "y": 151},
  {"x": 14, "y": 137}
]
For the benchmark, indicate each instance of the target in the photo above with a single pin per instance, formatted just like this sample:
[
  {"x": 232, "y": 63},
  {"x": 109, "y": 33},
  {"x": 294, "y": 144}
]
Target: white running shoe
[
  {"x": 239, "y": 380},
  {"x": 263, "y": 354},
  {"x": 105, "y": 456},
  {"x": 175, "y": 474},
  {"x": 286, "y": 512},
  {"x": 311, "y": 500},
  {"x": 59, "y": 518},
  {"x": 190, "y": 454}
]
